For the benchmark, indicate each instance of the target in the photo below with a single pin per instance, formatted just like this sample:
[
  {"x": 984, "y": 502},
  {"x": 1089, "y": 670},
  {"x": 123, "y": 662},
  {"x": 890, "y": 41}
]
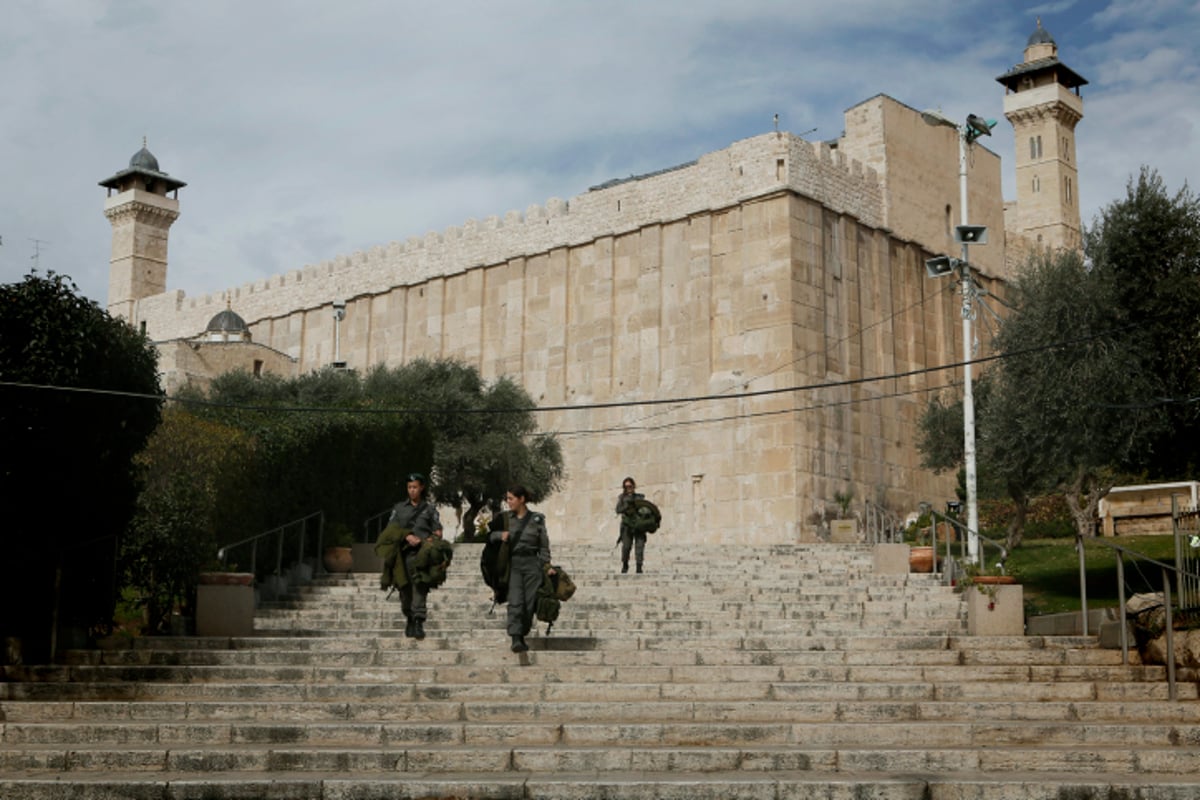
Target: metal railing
[
  {"x": 1182, "y": 577},
  {"x": 297, "y": 530},
  {"x": 374, "y": 525},
  {"x": 882, "y": 526},
  {"x": 1185, "y": 524},
  {"x": 953, "y": 565}
]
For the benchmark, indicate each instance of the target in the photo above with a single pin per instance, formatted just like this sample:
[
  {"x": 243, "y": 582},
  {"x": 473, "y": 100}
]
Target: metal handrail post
[
  {"x": 254, "y": 557},
  {"x": 300, "y": 542},
  {"x": 279, "y": 554},
  {"x": 1170, "y": 656},
  {"x": 1121, "y": 603},
  {"x": 1083, "y": 609}
]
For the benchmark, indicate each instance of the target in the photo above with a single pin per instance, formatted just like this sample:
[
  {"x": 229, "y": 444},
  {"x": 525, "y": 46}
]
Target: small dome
[
  {"x": 144, "y": 159},
  {"x": 226, "y": 322},
  {"x": 1040, "y": 36}
]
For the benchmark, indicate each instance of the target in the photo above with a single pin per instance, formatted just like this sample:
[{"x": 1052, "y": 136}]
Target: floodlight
[
  {"x": 978, "y": 126},
  {"x": 932, "y": 117},
  {"x": 941, "y": 265},
  {"x": 970, "y": 234}
]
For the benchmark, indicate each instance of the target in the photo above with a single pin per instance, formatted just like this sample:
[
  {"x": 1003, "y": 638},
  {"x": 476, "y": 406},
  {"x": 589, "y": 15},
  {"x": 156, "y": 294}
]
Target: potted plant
[
  {"x": 338, "y": 556},
  {"x": 973, "y": 575},
  {"x": 921, "y": 551}
]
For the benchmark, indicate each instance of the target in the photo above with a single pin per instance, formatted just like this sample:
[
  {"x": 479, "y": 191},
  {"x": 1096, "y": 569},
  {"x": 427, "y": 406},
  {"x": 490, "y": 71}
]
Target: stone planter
[
  {"x": 365, "y": 559},
  {"x": 225, "y": 604},
  {"x": 999, "y": 610},
  {"x": 843, "y": 531}
]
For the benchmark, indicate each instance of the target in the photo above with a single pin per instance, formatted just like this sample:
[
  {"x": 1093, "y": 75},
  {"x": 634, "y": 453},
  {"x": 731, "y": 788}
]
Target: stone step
[
  {"x": 794, "y": 674},
  {"x": 191, "y": 699},
  {"x": 566, "y": 759},
  {"x": 713, "y": 728},
  {"x": 635, "y": 784},
  {"x": 74, "y": 722}
]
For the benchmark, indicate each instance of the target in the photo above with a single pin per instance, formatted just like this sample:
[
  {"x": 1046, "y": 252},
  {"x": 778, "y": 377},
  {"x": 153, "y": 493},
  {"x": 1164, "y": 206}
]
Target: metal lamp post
[{"x": 965, "y": 234}]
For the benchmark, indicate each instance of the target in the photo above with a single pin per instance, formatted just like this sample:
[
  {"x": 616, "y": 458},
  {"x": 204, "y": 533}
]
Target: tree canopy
[
  {"x": 1099, "y": 379},
  {"x": 79, "y": 396},
  {"x": 1070, "y": 410},
  {"x": 1148, "y": 245},
  {"x": 485, "y": 435}
]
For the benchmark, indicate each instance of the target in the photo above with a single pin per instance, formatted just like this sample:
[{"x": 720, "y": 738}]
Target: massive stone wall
[
  {"x": 760, "y": 268},
  {"x": 749, "y": 168}
]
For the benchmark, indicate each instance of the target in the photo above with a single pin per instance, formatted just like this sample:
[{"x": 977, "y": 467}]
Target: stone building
[{"x": 749, "y": 334}]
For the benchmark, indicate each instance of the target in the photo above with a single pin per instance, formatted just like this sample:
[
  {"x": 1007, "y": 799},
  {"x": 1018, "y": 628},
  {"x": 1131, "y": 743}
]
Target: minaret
[
  {"x": 1043, "y": 104},
  {"x": 141, "y": 214}
]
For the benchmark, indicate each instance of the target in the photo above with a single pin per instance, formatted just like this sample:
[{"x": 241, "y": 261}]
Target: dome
[
  {"x": 1040, "y": 36},
  {"x": 226, "y": 322},
  {"x": 144, "y": 159}
]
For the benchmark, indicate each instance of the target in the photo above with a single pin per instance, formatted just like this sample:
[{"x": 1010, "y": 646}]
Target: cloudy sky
[{"x": 309, "y": 129}]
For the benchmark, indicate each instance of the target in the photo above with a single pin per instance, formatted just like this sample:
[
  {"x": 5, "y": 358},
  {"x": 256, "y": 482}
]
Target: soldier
[
  {"x": 529, "y": 562},
  {"x": 417, "y": 515},
  {"x": 629, "y": 537}
]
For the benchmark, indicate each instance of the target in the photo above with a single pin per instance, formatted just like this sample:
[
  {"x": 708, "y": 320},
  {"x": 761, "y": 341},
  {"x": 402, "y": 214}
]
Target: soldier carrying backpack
[{"x": 638, "y": 517}]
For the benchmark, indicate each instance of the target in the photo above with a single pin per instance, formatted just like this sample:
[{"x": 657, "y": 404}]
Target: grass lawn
[{"x": 1049, "y": 571}]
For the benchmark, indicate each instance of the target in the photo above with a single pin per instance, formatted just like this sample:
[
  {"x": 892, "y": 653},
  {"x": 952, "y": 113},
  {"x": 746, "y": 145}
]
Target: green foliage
[
  {"x": 485, "y": 436},
  {"x": 194, "y": 471},
  {"x": 1148, "y": 245},
  {"x": 1047, "y": 517},
  {"x": 67, "y": 447},
  {"x": 1069, "y": 410},
  {"x": 254, "y": 453},
  {"x": 1049, "y": 571},
  {"x": 320, "y": 442}
]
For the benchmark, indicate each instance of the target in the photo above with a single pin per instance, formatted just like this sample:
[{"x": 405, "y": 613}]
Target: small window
[
  {"x": 1037, "y": 184},
  {"x": 258, "y": 365}
]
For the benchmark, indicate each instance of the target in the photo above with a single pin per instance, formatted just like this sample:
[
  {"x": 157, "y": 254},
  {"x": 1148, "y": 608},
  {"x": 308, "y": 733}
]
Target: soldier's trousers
[
  {"x": 634, "y": 541},
  {"x": 524, "y": 580}
]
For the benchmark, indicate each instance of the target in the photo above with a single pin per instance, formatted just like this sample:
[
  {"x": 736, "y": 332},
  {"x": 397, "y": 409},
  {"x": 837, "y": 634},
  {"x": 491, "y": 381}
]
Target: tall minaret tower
[
  {"x": 141, "y": 214},
  {"x": 1043, "y": 104}
]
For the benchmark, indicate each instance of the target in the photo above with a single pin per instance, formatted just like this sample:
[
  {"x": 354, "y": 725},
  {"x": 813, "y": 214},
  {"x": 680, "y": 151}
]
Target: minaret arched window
[{"x": 1035, "y": 146}]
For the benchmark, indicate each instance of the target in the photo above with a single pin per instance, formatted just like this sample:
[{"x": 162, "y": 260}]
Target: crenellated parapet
[{"x": 756, "y": 167}]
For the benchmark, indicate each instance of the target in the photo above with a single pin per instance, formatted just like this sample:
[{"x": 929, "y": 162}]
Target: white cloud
[{"x": 303, "y": 136}]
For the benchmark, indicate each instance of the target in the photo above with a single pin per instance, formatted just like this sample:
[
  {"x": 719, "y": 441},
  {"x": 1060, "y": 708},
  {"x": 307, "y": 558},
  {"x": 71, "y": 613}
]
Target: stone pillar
[
  {"x": 225, "y": 604},
  {"x": 1001, "y": 615}
]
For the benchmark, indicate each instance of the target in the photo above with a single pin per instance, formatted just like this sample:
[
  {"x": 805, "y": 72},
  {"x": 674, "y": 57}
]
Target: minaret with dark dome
[
  {"x": 142, "y": 203},
  {"x": 1043, "y": 103}
]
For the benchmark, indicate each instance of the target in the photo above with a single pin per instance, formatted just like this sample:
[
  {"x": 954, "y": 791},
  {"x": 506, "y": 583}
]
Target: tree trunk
[{"x": 1016, "y": 525}]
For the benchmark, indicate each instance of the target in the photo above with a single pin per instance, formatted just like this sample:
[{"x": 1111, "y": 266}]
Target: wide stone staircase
[{"x": 770, "y": 673}]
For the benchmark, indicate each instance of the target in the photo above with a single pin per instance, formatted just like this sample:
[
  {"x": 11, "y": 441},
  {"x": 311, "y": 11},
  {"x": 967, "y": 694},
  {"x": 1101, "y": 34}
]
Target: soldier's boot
[
  {"x": 625, "y": 566},
  {"x": 639, "y": 568},
  {"x": 518, "y": 644},
  {"x": 410, "y": 628},
  {"x": 418, "y": 629}
]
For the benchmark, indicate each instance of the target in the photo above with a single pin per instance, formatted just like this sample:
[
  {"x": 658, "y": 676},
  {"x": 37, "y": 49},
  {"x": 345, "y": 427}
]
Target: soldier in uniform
[
  {"x": 415, "y": 514},
  {"x": 630, "y": 540},
  {"x": 529, "y": 561}
]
